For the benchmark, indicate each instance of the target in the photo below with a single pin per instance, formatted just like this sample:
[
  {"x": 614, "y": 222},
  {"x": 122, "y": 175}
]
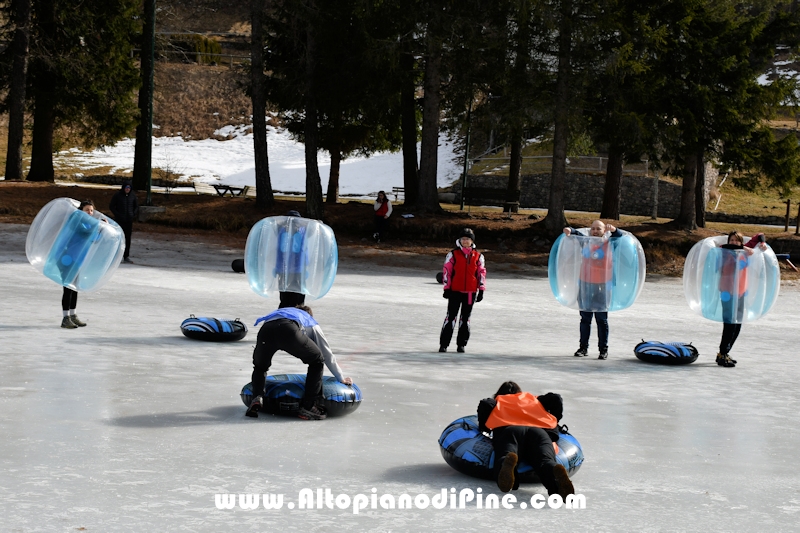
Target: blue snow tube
[
  {"x": 666, "y": 353},
  {"x": 283, "y": 392},
  {"x": 470, "y": 452},
  {"x": 213, "y": 329}
]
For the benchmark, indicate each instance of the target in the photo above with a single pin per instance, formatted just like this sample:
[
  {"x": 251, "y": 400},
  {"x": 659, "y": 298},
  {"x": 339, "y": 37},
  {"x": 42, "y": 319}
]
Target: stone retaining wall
[{"x": 584, "y": 192}]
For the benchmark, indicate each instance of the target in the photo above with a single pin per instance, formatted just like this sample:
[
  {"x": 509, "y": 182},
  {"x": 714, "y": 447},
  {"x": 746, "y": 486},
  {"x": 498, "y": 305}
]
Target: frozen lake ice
[{"x": 126, "y": 425}]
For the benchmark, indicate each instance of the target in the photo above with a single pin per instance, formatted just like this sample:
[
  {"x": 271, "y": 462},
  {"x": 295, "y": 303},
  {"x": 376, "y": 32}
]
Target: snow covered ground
[{"x": 231, "y": 162}]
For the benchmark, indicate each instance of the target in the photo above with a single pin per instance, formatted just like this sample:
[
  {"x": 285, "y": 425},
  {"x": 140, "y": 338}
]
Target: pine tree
[
  {"x": 20, "y": 17},
  {"x": 81, "y": 74}
]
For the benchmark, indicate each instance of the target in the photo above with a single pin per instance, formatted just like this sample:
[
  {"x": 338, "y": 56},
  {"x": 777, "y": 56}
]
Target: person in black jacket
[
  {"x": 125, "y": 208},
  {"x": 525, "y": 428}
]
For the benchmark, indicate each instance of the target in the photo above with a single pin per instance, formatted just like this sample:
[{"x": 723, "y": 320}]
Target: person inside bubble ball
[
  {"x": 733, "y": 267},
  {"x": 69, "y": 298},
  {"x": 595, "y": 278},
  {"x": 524, "y": 428}
]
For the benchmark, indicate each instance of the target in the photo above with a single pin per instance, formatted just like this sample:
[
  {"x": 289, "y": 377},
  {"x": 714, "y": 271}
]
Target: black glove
[
  {"x": 762, "y": 238},
  {"x": 479, "y": 297},
  {"x": 447, "y": 293}
]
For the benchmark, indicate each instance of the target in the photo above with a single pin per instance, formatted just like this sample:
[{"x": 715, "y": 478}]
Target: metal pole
[
  {"x": 466, "y": 156},
  {"x": 654, "y": 216},
  {"x": 797, "y": 222},
  {"x": 151, "y": 51},
  {"x": 788, "y": 207}
]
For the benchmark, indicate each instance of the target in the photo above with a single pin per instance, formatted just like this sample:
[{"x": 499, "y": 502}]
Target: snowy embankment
[{"x": 231, "y": 162}]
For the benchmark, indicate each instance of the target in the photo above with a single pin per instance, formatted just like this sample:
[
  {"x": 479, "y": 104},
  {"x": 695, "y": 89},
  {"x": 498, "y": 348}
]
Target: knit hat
[
  {"x": 293, "y": 213},
  {"x": 466, "y": 232}
]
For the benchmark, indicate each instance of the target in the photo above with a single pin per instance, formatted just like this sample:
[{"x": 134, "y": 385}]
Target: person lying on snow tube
[{"x": 524, "y": 428}]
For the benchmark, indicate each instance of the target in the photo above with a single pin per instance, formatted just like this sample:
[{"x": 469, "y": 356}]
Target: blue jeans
[{"x": 602, "y": 329}]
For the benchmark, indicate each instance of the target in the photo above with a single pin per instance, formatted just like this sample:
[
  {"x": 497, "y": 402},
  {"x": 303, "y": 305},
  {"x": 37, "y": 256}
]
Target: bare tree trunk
[
  {"x": 512, "y": 192},
  {"x": 700, "y": 191},
  {"x": 314, "y": 208},
  {"x": 42, "y": 150},
  {"x": 408, "y": 117},
  {"x": 16, "y": 91},
  {"x": 611, "y": 192},
  {"x": 686, "y": 217},
  {"x": 333, "y": 178},
  {"x": 555, "y": 219},
  {"x": 143, "y": 150},
  {"x": 428, "y": 194},
  {"x": 264, "y": 197}
]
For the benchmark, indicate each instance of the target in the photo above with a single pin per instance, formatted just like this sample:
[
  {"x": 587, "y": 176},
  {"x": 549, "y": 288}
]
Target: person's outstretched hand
[{"x": 347, "y": 381}]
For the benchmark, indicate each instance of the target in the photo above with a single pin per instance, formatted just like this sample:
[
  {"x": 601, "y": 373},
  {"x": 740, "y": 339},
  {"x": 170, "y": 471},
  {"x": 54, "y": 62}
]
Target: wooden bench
[
  {"x": 222, "y": 190},
  {"x": 203, "y": 188},
  {"x": 482, "y": 195},
  {"x": 397, "y": 191}
]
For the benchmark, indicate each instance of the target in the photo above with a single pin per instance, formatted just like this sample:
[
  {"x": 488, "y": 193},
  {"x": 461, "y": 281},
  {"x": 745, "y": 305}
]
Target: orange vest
[
  {"x": 733, "y": 263},
  {"x": 521, "y": 409},
  {"x": 596, "y": 264},
  {"x": 465, "y": 271}
]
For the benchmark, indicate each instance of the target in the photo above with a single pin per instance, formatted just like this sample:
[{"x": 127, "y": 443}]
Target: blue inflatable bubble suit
[
  {"x": 291, "y": 254},
  {"x": 731, "y": 286},
  {"x": 596, "y": 274},
  {"x": 73, "y": 248}
]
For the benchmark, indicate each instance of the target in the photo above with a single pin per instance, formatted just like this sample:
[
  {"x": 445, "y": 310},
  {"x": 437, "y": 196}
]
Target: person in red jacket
[
  {"x": 525, "y": 428},
  {"x": 732, "y": 289},
  {"x": 464, "y": 277},
  {"x": 383, "y": 210}
]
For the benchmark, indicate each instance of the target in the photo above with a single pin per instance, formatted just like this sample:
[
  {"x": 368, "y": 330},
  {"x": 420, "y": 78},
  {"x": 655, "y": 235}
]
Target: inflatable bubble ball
[
  {"x": 731, "y": 286},
  {"x": 596, "y": 274},
  {"x": 291, "y": 254},
  {"x": 73, "y": 248}
]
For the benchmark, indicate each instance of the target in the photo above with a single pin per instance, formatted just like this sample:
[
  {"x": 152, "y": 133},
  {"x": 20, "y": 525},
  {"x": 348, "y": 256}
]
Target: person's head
[
  {"x": 509, "y": 387},
  {"x": 598, "y": 228},
  {"x": 87, "y": 206},
  {"x": 293, "y": 213},
  {"x": 467, "y": 238},
  {"x": 126, "y": 186},
  {"x": 382, "y": 197},
  {"x": 735, "y": 237},
  {"x": 305, "y": 308}
]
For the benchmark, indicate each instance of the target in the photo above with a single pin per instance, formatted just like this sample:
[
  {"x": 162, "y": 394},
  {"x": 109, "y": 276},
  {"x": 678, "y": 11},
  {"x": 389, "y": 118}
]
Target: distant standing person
[
  {"x": 125, "y": 208},
  {"x": 464, "y": 278},
  {"x": 383, "y": 210}
]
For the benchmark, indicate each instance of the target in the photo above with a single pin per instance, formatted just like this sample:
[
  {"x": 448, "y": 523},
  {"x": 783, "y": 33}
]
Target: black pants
[
  {"x": 602, "y": 329},
  {"x": 127, "y": 229},
  {"x": 69, "y": 300},
  {"x": 457, "y": 299},
  {"x": 730, "y": 331},
  {"x": 284, "y": 334},
  {"x": 381, "y": 226},
  {"x": 533, "y": 446}
]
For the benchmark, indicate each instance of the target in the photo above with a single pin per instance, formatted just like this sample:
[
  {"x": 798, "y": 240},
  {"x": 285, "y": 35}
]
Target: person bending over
[{"x": 294, "y": 330}]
